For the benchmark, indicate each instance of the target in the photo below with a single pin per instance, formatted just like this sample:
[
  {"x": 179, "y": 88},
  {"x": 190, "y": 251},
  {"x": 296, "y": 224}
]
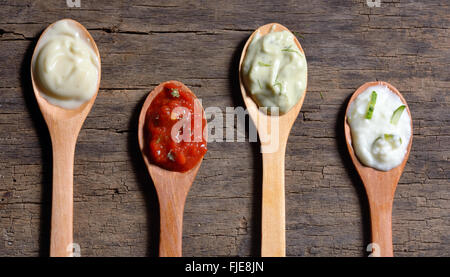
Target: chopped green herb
[
  {"x": 288, "y": 49},
  {"x": 396, "y": 115},
  {"x": 280, "y": 85},
  {"x": 259, "y": 85},
  {"x": 387, "y": 137},
  {"x": 391, "y": 138},
  {"x": 371, "y": 106},
  {"x": 297, "y": 34},
  {"x": 175, "y": 93},
  {"x": 158, "y": 140},
  {"x": 264, "y": 64},
  {"x": 170, "y": 156}
]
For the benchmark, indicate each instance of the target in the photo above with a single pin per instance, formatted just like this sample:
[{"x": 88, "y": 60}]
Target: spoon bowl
[
  {"x": 273, "y": 131},
  {"x": 172, "y": 187},
  {"x": 64, "y": 126},
  {"x": 380, "y": 185}
]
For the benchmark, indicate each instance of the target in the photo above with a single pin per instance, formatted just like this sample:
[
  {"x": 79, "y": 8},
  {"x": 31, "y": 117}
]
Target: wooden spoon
[
  {"x": 64, "y": 126},
  {"x": 274, "y": 129},
  {"x": 380, "y": 185},
  {"x": 172, "y": 188}
]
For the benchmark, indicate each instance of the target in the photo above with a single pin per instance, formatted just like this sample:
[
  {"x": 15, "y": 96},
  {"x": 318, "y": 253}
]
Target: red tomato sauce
[{"x": 174, "y": 129}]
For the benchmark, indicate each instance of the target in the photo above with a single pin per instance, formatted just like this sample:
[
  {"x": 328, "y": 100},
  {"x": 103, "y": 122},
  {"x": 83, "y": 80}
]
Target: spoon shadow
[
  {"x": 255, "y": 223},
  {"x": 145, "y": 182},
  {"x": 353, "y": 174},
  {"x": 45, "y": 143}
]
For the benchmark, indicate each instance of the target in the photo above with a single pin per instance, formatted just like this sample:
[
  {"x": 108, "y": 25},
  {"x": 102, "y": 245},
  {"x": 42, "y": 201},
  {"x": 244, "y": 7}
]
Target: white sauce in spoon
[
  {"x": 275, "y": 70},
  {"x": 66, "y": 66},
  {"x": 377, "y": 142}
]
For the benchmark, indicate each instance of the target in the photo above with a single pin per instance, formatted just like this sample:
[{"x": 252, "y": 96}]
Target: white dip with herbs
[
  {"x": 275, "y": 70},
  {"x": 380, "y": 127}
]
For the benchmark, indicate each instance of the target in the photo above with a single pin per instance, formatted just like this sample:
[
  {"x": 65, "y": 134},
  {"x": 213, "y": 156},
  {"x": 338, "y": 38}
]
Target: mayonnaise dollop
[
  {"x": 275, "y": 70},
  {"x": 66, "y": 67},
  {"x": 378, "y": 142}
]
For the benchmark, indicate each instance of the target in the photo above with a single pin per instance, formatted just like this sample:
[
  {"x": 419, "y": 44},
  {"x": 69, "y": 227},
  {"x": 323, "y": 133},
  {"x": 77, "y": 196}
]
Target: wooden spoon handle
[
  {"x": 381, "y": 221},
  {"x": 171, "y": 224},
  {"x": 273, "y": 240},
  {"x": 61, "y": 236}
]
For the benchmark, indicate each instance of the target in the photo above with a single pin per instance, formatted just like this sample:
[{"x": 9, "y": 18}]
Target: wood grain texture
[{"x": 143, "y": 43}]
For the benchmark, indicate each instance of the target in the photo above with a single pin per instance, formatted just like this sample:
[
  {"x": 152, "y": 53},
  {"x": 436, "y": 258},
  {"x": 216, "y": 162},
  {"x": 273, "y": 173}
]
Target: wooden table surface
[{"x": 143, "y": 43}]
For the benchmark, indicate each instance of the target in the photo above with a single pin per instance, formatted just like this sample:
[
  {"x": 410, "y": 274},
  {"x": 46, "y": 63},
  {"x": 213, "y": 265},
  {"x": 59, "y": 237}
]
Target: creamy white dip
[
  {"x": 379, "y": 142},
  {"x": 66, "y": 67},
  {"x": 275, "y": 70}
]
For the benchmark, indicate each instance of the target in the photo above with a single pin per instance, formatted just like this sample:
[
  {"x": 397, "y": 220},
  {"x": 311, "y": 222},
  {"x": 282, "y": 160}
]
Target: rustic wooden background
[{"x": 143, "y": 43}]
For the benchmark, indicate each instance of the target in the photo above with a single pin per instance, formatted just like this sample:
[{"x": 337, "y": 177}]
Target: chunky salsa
[{"x": 174, "y": 129}]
